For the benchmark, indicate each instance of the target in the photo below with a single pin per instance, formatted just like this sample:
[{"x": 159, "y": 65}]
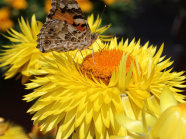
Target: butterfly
[{"x": 65, "y": 29}]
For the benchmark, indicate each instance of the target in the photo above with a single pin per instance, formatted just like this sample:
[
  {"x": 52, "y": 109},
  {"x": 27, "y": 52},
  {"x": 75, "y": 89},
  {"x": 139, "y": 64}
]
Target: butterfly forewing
[{"x": 65, "y": 28}]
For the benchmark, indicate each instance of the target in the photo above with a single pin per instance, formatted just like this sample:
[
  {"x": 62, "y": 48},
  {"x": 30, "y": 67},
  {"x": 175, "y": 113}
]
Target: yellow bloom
[
  {"x": 47, "y": 5},
  {"x": 170, "y": 124},
  {"x": 36, "y": 133},
  {"x": 22, "y": 56},
  {"x": 18, "y": 4},
  {"x": 109, "y": 2},
  {"x": 83, "y": 98},
  {"x": 11, "y": 131},
  {"x": 5, "y": 21},
  {"x": 6, "y": 24},
  {"x": 4, "y": 13},
  {"x": 85, "y": 5}
]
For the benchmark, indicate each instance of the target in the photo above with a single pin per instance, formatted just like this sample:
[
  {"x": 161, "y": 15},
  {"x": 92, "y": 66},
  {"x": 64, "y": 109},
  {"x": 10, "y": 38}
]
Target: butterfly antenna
[{"x": 101, "y": 17}]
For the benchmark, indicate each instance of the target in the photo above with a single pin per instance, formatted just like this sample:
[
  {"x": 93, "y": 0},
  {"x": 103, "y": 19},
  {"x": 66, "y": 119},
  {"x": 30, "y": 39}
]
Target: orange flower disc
[{"x": 104, "y": 63}]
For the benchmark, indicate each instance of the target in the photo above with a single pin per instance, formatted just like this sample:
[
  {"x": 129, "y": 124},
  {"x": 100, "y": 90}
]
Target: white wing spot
[{"x": 75, "y": 6}]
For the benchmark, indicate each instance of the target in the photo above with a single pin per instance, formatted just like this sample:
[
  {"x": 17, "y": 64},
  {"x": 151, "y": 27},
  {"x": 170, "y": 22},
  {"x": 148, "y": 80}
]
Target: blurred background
[{"x": 156, "y": 21}]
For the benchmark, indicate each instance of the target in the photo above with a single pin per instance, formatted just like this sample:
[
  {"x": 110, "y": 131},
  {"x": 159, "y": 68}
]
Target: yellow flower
[
  {"x": 47, "y": 5},
  {"x": 169, "y": 124},
  {"x": 11, "y": 131},
  {"x": 18, "y": 4},
  {"x": 172, "y": 122},
  {"x": 36, "y": 133},
  {"x": 22, "y": 56},
  {"x": 4, "y": 13},
  {"x": 109, "y": 2},
  {"x": 86, "y": 5},
  {"x": 84, "y": 97},
  {"x": 5, "y": 21},
  {"x": 6, "y": 24}
]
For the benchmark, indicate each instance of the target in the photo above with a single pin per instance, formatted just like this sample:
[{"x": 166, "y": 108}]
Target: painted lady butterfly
[{"x": 65, "y": 29}]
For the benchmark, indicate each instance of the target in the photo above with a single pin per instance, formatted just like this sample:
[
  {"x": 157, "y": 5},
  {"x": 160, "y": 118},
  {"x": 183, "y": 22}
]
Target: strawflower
[
  {"x": 18, "y": 4},
  {"x": 47, "y": 5},
  {"x": 85, "y": 5},
  {"x": 22, "y": 56},
  {"x": 36, "y": 133},
  {"x": 11, "y": 131},
  {"x": 5, "y": 21},
  {"x": 82, "y": 98},
  {"x": 170, "y": 123},
  {"x": 110, "y": 2}
]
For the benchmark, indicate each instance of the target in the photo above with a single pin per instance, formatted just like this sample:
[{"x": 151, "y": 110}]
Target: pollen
[{"x": 101, "y": 64}]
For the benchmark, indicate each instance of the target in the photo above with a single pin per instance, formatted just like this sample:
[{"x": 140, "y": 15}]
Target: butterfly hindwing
[{"x": 59, "y": 36}]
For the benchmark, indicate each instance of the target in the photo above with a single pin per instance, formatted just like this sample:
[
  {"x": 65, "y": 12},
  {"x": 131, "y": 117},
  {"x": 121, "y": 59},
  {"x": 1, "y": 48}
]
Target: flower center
[{"x": 102, "y": 64}]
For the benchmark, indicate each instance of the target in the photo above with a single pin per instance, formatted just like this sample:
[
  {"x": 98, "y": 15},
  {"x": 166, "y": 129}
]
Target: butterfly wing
[
  {"x": 65, "y": 28},
  {"x": 65, "y": 6}
]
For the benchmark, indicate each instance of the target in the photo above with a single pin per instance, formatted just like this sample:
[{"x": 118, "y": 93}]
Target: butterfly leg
[
  {"x": 73, "y": 60},
  {"x": 104, "y": 47},
  {"x": 81, "y": 54},
  {"x": 100, "y": 46},
  {"x": 92, "y": 56},
  {"x": 78, "y": 50}
]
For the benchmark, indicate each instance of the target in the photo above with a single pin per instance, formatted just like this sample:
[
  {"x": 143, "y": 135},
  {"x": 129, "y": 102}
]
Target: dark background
[{"x": 154, "y": 21}]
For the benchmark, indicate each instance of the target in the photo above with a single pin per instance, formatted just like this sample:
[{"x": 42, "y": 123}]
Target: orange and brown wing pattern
[
  {"x": 68, "y": 11},
  {"x": 65, "y": 28},
  {"x": 72, "y": 19}
]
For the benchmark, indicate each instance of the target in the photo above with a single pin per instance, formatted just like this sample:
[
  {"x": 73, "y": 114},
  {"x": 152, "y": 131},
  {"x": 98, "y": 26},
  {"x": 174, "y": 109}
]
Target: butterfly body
[{"x": 65, "y": 29}]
